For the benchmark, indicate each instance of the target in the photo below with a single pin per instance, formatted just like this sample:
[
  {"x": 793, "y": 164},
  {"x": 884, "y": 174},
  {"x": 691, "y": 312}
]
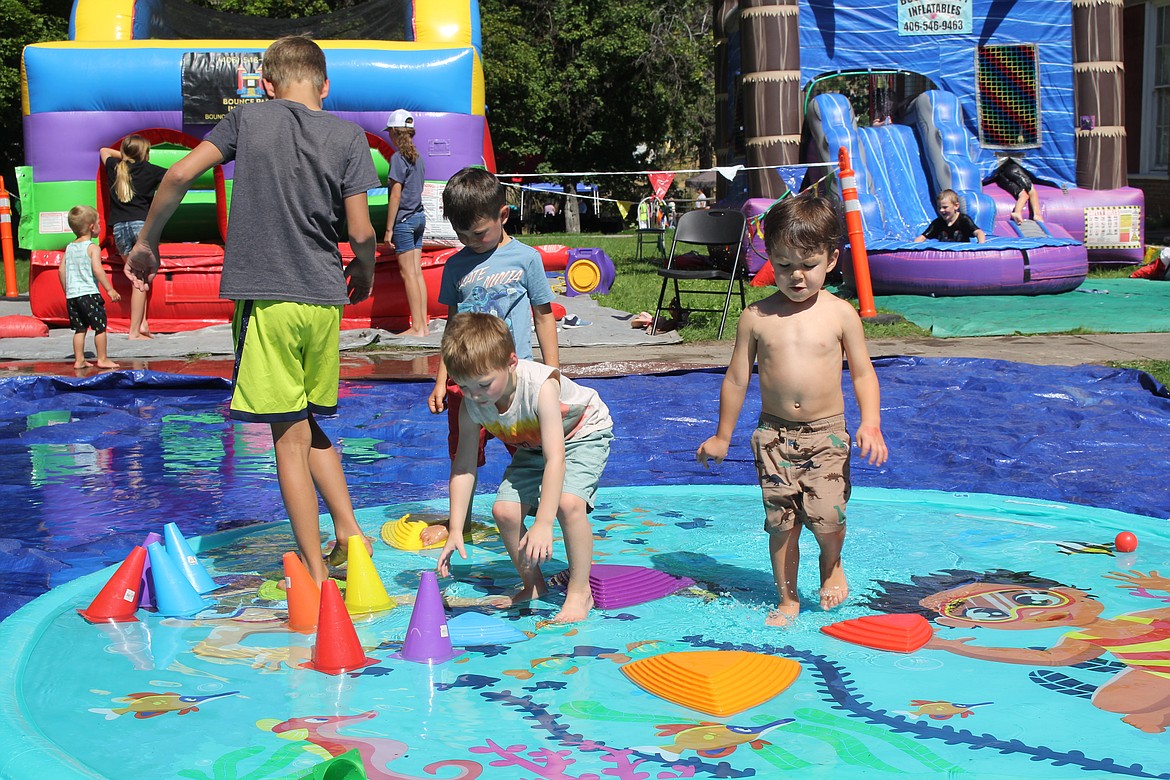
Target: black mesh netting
[{"x": 379, "y": 20}]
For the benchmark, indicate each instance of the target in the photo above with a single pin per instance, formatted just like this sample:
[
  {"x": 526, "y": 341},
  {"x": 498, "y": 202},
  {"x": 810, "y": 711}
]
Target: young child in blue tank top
[
  {"x": 81, "y": 272},
  {"x": 559, "y": 433}
]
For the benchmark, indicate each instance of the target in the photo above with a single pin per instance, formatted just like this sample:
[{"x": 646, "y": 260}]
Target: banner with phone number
[{"x": 934, "y": 17}]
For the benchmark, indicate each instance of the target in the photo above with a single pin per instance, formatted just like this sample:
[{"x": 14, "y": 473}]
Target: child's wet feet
[
  {"x": 575, "y": 609},
  {"x": 521, "y": 595},
  {"x": 783, "y": 615},
  {"x": 834, "y": 591},
  {"x": 339, "y": 554}
]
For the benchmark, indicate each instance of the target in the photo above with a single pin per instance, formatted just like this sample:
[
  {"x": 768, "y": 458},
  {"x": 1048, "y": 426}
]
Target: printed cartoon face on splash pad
[
  {"x": 1012, "y": 608},
  {"x": 1139, "y": 642}
]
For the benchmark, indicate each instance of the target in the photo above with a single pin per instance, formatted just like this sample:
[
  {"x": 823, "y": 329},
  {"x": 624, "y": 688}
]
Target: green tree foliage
[
  {"x": 22, "y": 22},
  {"x": 578, "y": 85},
  {"x": 572, "y": 85}
]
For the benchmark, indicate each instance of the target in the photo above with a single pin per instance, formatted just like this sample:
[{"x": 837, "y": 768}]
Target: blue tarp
[{"x": 90, "y": 466}]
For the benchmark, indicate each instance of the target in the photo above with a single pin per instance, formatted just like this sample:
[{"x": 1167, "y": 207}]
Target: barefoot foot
[
  {"x": 1017, "y": 217},
  {"x": 106, "y": 364},
  {"x": 575, "y": 609},
  {"x": 433, "y": 534},
  {"x": 414, "y": 333},
  {"x": 83, "y": 364},
  {"x": 140, "y": 336},
  {"x": 834, "y": 593},
  {"x": 339, "y": 554},
  {"x": 521, "y": 595},
  {"x": 783, "y": 615}
]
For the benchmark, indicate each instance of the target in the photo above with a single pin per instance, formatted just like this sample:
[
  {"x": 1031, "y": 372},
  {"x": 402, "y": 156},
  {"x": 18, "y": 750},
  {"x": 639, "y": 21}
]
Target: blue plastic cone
[
  {"x": 188, "y": 564},
  {"x": 174, "y": 595},
  {"x": 428, "y": 640},
  {"x": 146, "y": 600}
]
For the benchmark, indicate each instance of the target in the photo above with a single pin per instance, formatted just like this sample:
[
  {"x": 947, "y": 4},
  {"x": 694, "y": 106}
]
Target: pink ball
[{"x": 1125, "y": 542}]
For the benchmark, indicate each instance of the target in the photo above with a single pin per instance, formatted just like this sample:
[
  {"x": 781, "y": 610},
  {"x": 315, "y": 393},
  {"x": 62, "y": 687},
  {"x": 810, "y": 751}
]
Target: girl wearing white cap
[{"x": 406, "y": 220}]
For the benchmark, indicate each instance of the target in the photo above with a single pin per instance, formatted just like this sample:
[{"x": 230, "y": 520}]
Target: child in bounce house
[
  {"x": 406, "y": 220},
  {"x": 951, "y": 224}
]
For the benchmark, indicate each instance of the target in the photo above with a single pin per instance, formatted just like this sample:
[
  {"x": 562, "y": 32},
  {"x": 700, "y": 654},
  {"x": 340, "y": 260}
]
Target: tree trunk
[
  {"x": 572, "y": 210},
  {"x": 770, "y": 35},
  {"x": 1099, "y": 85}
]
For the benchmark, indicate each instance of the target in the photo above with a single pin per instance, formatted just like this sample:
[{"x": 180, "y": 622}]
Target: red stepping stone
[{"x": 898, "y": 633}]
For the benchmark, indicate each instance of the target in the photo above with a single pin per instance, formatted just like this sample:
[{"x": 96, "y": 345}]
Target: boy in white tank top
[{"x": 561, "y": 432}]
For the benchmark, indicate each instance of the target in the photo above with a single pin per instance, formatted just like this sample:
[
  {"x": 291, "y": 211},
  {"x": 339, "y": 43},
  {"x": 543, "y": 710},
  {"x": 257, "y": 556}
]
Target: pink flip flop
[{"x": 642, "y": 320}]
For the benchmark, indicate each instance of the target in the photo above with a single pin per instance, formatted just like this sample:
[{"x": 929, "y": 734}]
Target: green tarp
[{"x": 1098, "y": 305}]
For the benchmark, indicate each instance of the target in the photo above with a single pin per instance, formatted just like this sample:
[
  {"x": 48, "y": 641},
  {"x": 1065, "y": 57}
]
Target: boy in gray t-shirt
[{"x": 300, "y": 174}]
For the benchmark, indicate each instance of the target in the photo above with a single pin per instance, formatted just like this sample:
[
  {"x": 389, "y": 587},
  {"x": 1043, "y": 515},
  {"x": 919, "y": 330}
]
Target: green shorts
[
  {"x": 287, "y": 360},
  {"x": 585, "y": 459}
]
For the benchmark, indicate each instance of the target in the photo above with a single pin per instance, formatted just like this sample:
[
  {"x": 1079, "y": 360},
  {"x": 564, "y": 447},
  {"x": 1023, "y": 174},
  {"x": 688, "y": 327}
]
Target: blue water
[{"x": 559, "y": 700}]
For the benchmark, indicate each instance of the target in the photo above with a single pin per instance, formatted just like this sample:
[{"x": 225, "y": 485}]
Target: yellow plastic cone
[{"x": 364, "y": 591}]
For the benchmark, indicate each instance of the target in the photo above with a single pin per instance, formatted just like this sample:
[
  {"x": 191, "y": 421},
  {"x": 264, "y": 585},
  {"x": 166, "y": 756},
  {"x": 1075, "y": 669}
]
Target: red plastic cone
[
  {"x": 304, "y": 595},
  {"x": 337, "y": 649},
  {"x": 118, "y": 600}
]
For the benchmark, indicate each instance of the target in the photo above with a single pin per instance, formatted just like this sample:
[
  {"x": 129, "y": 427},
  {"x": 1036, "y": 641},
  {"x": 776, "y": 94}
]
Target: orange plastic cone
[
  {"x": 304, "y": 595},
  {"x": 337, "y": 649},
  {"x": 118, "y": 600}
]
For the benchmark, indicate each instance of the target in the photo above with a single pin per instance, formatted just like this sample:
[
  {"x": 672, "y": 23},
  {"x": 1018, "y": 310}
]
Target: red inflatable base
[{"x": 186, "y": 291}]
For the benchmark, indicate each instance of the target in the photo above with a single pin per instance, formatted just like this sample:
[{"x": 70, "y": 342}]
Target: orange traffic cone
[
  {"x": 337, "y": 649},
  {"x": 304, "y": 595},
  {"x": 118, "y": 600}
]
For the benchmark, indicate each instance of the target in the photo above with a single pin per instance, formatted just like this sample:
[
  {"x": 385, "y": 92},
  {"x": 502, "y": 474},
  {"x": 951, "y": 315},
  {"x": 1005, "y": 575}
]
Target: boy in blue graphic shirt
[{"x": 492, "y": 273}]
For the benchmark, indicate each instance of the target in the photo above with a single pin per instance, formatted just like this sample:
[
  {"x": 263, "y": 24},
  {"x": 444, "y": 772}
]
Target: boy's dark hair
[
  {"x": 807, "y": 222},
  {"x": 81, "y": 218},
  {"x": 294, "y": 58},
  {"x": 472, "y": 194},
  {"x": 475, "y": 343}
]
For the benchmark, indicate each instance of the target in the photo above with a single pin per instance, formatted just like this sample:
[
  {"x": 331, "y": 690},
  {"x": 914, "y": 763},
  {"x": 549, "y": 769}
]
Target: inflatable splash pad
[{"x": 223, "y": 694}]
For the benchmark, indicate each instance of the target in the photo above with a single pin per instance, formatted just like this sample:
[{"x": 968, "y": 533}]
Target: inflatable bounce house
[
  {"x": 950, "y": 91},
  {"x": 169, "y": 71}
]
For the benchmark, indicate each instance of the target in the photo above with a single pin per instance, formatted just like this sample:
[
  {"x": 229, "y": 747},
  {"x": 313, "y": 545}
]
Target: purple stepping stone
[{"x": 616, "y": 586}]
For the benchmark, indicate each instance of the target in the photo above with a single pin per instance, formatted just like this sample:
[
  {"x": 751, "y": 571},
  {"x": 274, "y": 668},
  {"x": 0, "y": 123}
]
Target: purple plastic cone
[
  {"x": 146, "y": 601},
  {"x": 186, "y": 561},
  {"x": 174, "y": 595},
  {"x": 427, "y": 638}
]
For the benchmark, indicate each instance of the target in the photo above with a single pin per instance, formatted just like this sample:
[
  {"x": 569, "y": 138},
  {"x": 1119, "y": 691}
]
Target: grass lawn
[{"x": 637, "y": 283}]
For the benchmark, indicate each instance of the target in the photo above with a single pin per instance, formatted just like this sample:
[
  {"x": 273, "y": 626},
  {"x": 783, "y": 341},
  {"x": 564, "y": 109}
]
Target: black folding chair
[{"x": 721, "y": 232}]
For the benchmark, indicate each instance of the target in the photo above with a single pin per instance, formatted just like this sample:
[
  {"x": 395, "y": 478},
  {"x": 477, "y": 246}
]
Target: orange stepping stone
[
  {"x": 898, "y": 633},
  {"x": 714, "y": 682}
]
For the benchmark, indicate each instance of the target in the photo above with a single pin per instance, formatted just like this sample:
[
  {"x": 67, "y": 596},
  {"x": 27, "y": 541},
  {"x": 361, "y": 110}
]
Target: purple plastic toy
[{"x": 616, "y": 586}]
